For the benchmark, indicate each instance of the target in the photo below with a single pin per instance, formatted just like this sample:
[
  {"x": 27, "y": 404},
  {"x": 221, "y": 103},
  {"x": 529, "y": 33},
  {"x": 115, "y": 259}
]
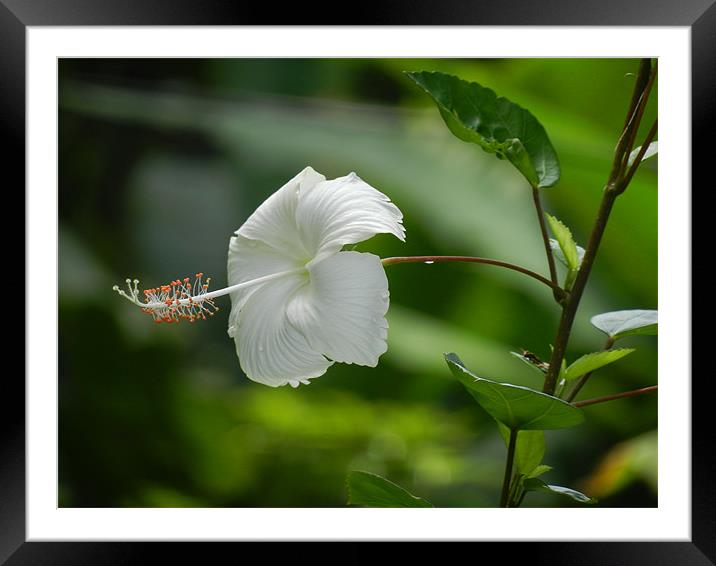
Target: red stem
[
  {"x": 469, "y": 259},
  {"x": 616, "y": 396}
]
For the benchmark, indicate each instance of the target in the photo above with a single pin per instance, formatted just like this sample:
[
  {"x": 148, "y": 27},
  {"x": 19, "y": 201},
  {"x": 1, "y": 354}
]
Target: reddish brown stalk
[
  {"x": 469, "y": 259},
  {"x": 606, "y": 398},
  {"x": 545, "y": 239}
]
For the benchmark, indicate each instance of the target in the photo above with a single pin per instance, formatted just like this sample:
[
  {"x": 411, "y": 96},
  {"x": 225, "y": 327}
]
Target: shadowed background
[{"x": 161, "y": 160}]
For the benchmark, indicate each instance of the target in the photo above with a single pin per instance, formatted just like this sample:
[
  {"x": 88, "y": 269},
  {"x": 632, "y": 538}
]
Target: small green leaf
[
  {"x": 596, "y": 360},
  {"x": 533, "y": 362},
  {"x": 618, "y": 324},
  {"x": 515, "y": 406},
  {"x": 566, "y": 243},
  {"x": 371, "y": 490},
  {"x": 477, "y": 115},
  {"x": 535, "y": 484},
  {"x": 651, "y": 151},
  {"x": 529, "y": 450},
  {"x": 539, "y": 470},
  {"x": 557, "y": 251}
]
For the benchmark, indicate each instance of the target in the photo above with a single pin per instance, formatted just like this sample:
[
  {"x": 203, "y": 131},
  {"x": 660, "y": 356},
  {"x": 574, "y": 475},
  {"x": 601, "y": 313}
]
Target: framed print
[{"x": 324, "y": 156}]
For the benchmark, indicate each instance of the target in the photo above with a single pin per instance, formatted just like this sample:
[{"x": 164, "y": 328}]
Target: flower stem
[
  {"x": 606, "y": 398},
  {"x": 512, "y": 444},
  {"x": 548, "y": 249},
  {"x": 469, "y": 259}
]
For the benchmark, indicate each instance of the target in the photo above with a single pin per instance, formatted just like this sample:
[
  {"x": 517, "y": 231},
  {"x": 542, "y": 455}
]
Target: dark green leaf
[
  {"x": 517, "y": 407},
  {"x": 535, "y": 484},
  {"x": 477, "y": 115},
  {"x": 596, "y": 360},
  {"x": 529, "y": 450},
  {"x": 371, "y": 490},
  {"x": 618, "y": 324}
]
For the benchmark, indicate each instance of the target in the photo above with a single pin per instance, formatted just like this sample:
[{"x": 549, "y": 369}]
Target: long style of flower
[{"x": 298, "y": 302}]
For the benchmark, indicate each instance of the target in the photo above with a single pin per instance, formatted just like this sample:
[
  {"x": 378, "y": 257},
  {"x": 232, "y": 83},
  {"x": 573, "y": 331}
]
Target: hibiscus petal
[
  {"x": 274, "y": 221},
  {"x": 342, "y": 311},
  {"x": 272, "y": 351},
  {"x": 251, "y": 259},
  {"x": 346, "y": 210}
]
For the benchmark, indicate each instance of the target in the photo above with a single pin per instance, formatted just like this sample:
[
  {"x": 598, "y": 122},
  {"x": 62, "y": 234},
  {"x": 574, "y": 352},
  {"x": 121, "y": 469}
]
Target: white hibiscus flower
[
  {"x": 324, "y": 305},
  {"x": 299, "y": 303}
]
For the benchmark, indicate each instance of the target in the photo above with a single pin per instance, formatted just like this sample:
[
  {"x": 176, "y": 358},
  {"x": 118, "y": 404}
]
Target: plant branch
[
  {"x": 624, "y": 395},
  {"x": 637, "y": 161},
  {"x": 469, "y": 259},
  {"x": 611, "y": 191},
  {"x": 548, "y": 249},
  {"x": 569, "y": 309},
  {"x": 507, "y": 481},
  {"x": 638, "y": 115},
  {"x": 642, "y": 88}
]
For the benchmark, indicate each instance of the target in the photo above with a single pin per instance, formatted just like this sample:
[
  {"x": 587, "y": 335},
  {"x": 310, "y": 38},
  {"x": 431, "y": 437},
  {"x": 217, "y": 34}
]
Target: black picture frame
[{"x": 17, "y": 15}]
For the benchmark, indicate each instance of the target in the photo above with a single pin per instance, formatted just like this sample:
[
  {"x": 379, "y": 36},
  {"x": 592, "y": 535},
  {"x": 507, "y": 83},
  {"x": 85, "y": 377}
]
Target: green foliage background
[{"x": 161, "y": 160}]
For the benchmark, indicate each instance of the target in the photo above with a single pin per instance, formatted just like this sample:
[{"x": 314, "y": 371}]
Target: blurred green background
[{"x": 162, "y": 160}]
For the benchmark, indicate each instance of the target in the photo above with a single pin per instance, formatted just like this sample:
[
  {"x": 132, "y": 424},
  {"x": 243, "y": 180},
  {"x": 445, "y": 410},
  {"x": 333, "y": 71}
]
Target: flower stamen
[
  {"x": 184, "y": 299},
  {"x": 180, "y": 299}
]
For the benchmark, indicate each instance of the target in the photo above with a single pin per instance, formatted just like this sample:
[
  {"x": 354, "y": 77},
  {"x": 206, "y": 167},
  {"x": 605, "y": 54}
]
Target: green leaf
[
  {"x": 566, "y": 243},
  {"x": 535, "y": 484},
  {"x": 529, "y": 450},
  {"x": 591, "y": 362},
  {"x": 557, "y": 251},
  {"x": 515, "y": 406},
  {"x": 618, "y": 324},
  {"x": 651, "y": 151},
  {"x": 477, "y": 115},
  {"x": 539, "y": 470},
  {"x": 532, "y": 361},
  {"x": 371, "y": 490}
]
